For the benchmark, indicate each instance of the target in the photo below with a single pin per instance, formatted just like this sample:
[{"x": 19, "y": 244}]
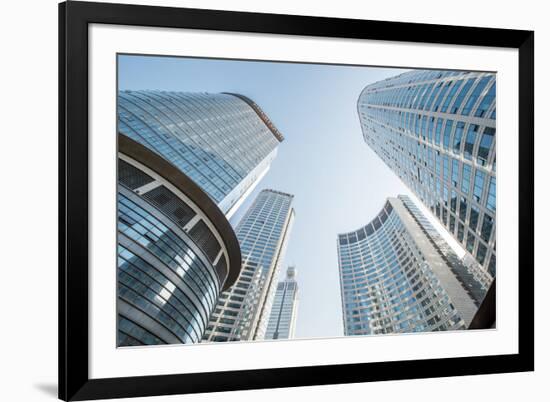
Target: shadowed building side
[{"x": 471, "y": 277}]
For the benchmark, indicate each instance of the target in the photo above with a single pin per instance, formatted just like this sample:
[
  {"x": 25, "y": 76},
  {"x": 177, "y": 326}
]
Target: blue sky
[{"x": 338, "y": 182}]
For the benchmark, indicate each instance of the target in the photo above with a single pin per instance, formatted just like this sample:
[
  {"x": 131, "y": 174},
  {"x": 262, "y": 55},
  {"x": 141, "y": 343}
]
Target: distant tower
[
  {"x": 243, "y": 311},
  {"x": 394, "y": 278},
  {"x": 282, "y": 321},
  {"x": 436, "y": 130}
]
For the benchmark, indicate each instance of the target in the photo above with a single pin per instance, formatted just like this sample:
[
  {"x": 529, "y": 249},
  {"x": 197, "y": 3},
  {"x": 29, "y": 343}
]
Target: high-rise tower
[
  {"x": 282, "y": 321},
  {"x": 436, "y": 130},
  {"x": 394, "y": 278},
  {"x": 243, "y": 310},
  {"x": 224, "y": 142}
]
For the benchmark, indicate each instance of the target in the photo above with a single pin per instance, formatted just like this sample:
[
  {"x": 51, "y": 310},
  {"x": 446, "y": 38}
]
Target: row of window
[
  {"x": 217, "y": 157},
  {"x": 160, "y": 275},
  {"x": 450, "y": 182},
  {"x": 444, "y": 96}
]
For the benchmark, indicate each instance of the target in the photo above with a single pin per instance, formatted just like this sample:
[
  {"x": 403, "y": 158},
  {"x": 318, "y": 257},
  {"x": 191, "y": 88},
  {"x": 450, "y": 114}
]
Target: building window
[
  {"x": 466, "y": 173},
  {"x": 492, "y": 265},
  {"x": 460, "y": 232},
  {"x": 455, "y": 173},
  {"x": 481, "y": 251},
  {"x": 423, "y": 129},
  {"x": 471, "y": 138},
  {"x": 447, "y": 133},
  {"x": 491, "y": 197},
  {"x": 486, "y": 102},
  {"x": 479, "y": 183},
  {"x": 438, "y": 131},
  {"x": 475, "y": 95},
  {"x": 459, "y": 130},
  {"x": 485, "y": 145},
  {"x": 474, "y": 217},
  {"x": 430, "y": 128},
  {"x": 462, "y": 95},
  {"x": 441, "y": 95},
  {"x": 470, "y": 242},
  {"x": 486, "y": 227},
  {"x": 452, "y": 92},
  {"x": 463, "y": 208},
  {"x": 453, "y": 201}
]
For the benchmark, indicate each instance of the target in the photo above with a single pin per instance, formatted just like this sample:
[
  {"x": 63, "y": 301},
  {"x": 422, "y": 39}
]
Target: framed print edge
[
  {"x": 526, "y": 200},
  {"x": 74, "y": 380},
  {"x": 62, "y": 364},
  {"x": 73, "y": 202}
]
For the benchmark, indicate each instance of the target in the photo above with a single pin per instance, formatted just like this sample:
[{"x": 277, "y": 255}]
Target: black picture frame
[{"x": 74, "y": 18}]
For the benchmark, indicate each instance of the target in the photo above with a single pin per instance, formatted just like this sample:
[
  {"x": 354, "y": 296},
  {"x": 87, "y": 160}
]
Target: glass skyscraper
[
  {"x": 243, "y": 310},
  {"x": 282, "y": 321},
  {"x": 436, "y": 130},
  {"x": 224, "y": 142},
  {"x": 394, "y": 278},
  {"x": 176, "y": 251}
]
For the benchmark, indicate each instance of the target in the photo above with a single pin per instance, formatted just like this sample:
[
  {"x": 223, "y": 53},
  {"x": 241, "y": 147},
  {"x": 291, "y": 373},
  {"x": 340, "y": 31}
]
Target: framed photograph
[{"x": 257, "y": 200}]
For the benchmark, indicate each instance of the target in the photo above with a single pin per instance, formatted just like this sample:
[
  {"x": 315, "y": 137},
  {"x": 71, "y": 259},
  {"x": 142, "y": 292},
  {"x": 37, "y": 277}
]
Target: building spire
[{"x": 291, "y": 273}]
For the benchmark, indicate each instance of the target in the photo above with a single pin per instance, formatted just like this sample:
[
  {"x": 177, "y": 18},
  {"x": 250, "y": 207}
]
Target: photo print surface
[{"x": 265, "y": 200}]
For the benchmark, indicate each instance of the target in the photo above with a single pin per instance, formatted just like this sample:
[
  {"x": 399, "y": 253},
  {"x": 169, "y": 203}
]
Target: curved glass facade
[
  {"x": 436, "y": 130},
  {"x": 172, "y": 261},
  {"x": 220, "y": 141},
  {"x": 161, "y": 275},
  {"x": 389, "y": 281}
]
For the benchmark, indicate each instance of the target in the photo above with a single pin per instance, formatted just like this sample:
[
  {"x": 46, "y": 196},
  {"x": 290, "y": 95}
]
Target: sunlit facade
[
  {"x": 284, "y": 313},
  {"x": 176, "y": 251},
  {"x": 243, "y": 311},
  {"x": 436, "y": 130},
  {"x": 394, "y": 278},
  {"x": 224, "y": 142}
]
